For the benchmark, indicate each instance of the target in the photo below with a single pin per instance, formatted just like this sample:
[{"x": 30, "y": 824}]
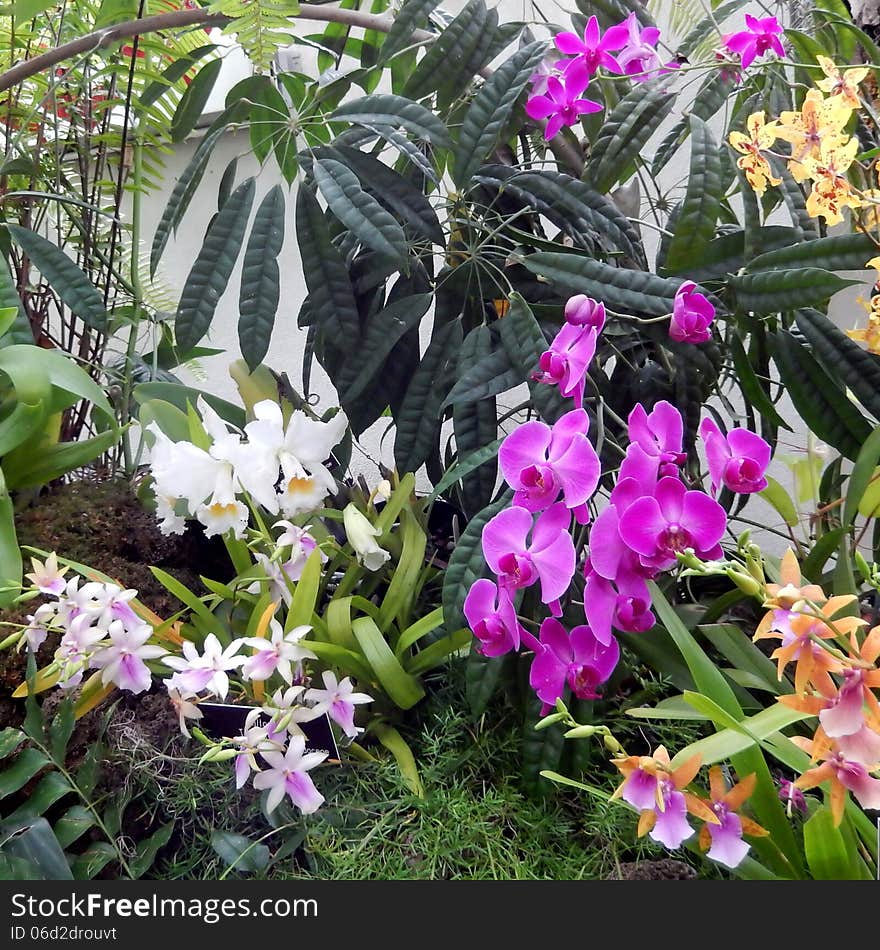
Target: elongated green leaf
[
  {"x": 572, "y": 205},
  {"x": 31, "y": 839},
  {"x": 491, "y": 109},
  {"x": 846, "y": 252},
  {"x": 397, "y": 112},
  {"x": 331, "y": 298},
  {"x": 260, "y": 278},
  {"x": 396, "y": 194},
  {"x": 413, "y": 15},
  {"x": 418, "y": 419},
  {"x": 28, "y": 9},
  {"x": 52, "y": 787},
  {"x": 862, "y": 474},
  {"x": 73, "y": 824},
  {"x": 819, "y": 400},
  {"x": 396, "y": 745},
  {"x": 626, "y": 291},
  {"x": 439, "y": 651},
  {"x": 25, "y": 767},
  {"x": 778, "y": 498},
  {"x": 93, "y": 860},
  {"x": 182, "y": 194},
  {"x": 212, "y": 269},
  {"x": 827, "y": 854},
  {"x": 412, "y": 151},
  {"x": 805, "y": 225},
  {"x": 624, "y": 134},
  {"x": 179, "y": 396},
  {"x": 192, "y": 103},
  {"x": 65, "y": 278},
  {"x": 403, "y": 689},
  {"x": 751, "y": 385},
  {"x": 489, "y": 375},
  {"x": 342, "y": 658},
  {"x": 269, "y": 115},
  {"x": 844, "y": 359},
  {"x": 20, "y": 330},
  {"x": 422, "y": 627},
  {"x": 33, "y": 470},
  {"x": 734, "y": 644},
  {"x": 359, "y": 211},
  {"x": 173, "y": 74},
  {"x": 383, "y": 331},
  {"x": 786, "y": 289},
  {"x": 702, "y": 202}
]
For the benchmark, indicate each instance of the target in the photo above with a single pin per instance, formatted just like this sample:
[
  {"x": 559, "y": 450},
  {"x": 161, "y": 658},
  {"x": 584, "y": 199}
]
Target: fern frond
[{"x": 262, "y": 27}]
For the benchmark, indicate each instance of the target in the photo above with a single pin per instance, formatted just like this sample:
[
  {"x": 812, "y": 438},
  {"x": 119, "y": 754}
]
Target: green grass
[{"x": 475, "y": 822}]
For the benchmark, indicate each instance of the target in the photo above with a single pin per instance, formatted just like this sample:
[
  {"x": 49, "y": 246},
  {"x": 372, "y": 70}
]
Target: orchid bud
[
  {"x": 362, "y": 536},
  {"x": 583, "y": 311},
  {"x": 756, "y": 568},
  {"x": 861, "y": 564},
  {"x": 218, "y": 754},
  {"x": 611, "y": 744},
  {"x": 582, "y": 732},
  {"x": 748, "y": 585},
  {"x": 550, "y": 720}
]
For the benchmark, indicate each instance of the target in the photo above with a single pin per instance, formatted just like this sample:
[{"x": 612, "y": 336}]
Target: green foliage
[{"x": 261, "y": 27}]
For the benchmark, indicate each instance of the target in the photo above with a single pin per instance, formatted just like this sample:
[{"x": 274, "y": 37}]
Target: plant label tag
[{"x": 227, "y": 719}]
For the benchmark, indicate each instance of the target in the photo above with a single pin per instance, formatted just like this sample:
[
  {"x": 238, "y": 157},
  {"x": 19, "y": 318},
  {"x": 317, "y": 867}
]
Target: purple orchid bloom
[
  {"x": 538, "y": 462},
  {"x": 561, "y": 104},
  {"x": 761, "y": 36},
  {"x": 792, "y": 797},
  {"x": 692, "y": 315},
  {"x": 566, "y": 363},
  {"x": 737, "y": 460},
  {"x": 728, "y": 847},
  {"x": 673, "y": 519},
  {"x": 639, "y": 57},
  {"x": 549, "y": 558},
  {"x": 583, "y": 311},
  {"x": 578, "y": 659},
  {"x": 622, "y": 604},
  {"x": 645, "y": 792},
  {"x": 594, "y": 50},
  {"x": 659, "y": 435},
  {"x": 492, "y": 618}
]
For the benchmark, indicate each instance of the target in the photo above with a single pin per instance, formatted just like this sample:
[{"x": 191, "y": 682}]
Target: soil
[
  {"x": 103, "y": 525},
  {"x": 664, "y": 869}
]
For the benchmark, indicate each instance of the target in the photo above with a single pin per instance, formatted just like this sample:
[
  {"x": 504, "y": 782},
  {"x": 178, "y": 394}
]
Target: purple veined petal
[
  {"x": 650, "y": 35},
  {"x": 577, "y": 471},
  {"x": 642, "y": 525},
  {"x": 555, "y": 565},
  {"x": 590, "y": 651},
  {"x": 506, "y": 533},
  {"x": 549, "y": 525},
  {"x": 845, "y": 715},
  {"x": 600, "y": 599},
  {"x": 777, "y": 47},
  {"x": 748, "y": 55},
  {"x": 671, "y": 827},
  {"x": 728, "y": 847},
  {"x": 749, "y": 444},
  {"x": 566, "y": 427},
  {"x": 708, "y": 428},
  {"x": 606, "y": 546},
  {"x": 540, "y": 107},
  {"x": 555, "y": 637},
  {"x": 592, "y": 33},
  {"x": 862, "y": 746},
  {"x": 637, "y": 476},
  {"x": 610, "y": 62},
  {"x": 670, "y": 494},
  {"x": 587, "y": 106},
  {"x": 481, "y": 601},
  {"x": 717, "y": 454},
  {"x": 524, "y": 447},
  {"x": 570, "y": 44},
  {"x": 637, "y": 428},
  {"x": 547, "y": 676},
  {"x": 739, "y": 42},
  {"x": 640, "y": 790},
  {"x": 577, "y": 78},
  {"x": 668, "y": 426},
  {"x": 242, "y": 771},
  {"x": 342, "y": 713},
  {"x": 616, "y": 37},
  {"x": 705, "y": 519},
  {"x": 553, "y": 127},
  {"x": 855, "y": 777},
  {"x": 754, "y": 24},
  {"x": 301, "y": 789}
]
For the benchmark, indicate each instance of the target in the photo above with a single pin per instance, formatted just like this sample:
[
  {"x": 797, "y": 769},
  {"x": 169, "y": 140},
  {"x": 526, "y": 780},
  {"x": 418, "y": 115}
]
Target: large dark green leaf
[
  {"x": 260, "y": 278},
  {"x": 20, "y": 331},
  {"x": 32, "y": 840},
  {"x": 844, "y": 359},
  {"x": 394, "y": 192},
  {"x": 181, "y": 195},
  {"x": 778, "y": 290},
  {"x": 622, "y": 290},
  {"x": 702, "y": 202},
  {"x": 725, "y": 254},
  {"x": 708, "y": 25},
  {"x": 331, "y": 299},
  {"x": 383, "y": 332},
  {"x": 486, "y": 376},
  {"x": 413, "y": 15},
  {"x": 173, "y": 74},
  {"x": 212, "y": 269},
  {"x": 792, "y": 193},
  {"x": 491, "y": 109},
  {"x": 569, "y": 203},
  {"x": 846, "y": 252},
  {"x": 62, "y": 274},
  {"x": 418, "y": 419},
  {"x": 476, "y": 425},
  {"x": 192, "y": 103},
  {"x": 624, "y": 134},
  {"x": 820, "y": 401},
  {"x": 359, "y": 211},
  {"x": 396, "y": 112}
]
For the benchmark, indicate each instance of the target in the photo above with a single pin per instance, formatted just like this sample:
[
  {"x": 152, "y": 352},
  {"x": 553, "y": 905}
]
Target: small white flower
[
  {"x": 276, "y": 654},
  {"x": 288, "y": 775},
  {"x": 182, "y": 701},
  {"x": 206, "y": 671},
  {"x": 338, "y": 700},
  {"x": 362, "y": 536},
  {"x": 123, "y": 661},
  {"x": 47, "y": 577}
]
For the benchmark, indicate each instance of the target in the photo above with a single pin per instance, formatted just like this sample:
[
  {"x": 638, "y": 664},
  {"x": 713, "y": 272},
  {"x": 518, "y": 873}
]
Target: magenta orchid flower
[
  {"x": 122, "y": 661},
  {"x": 646, "y": 791},
  {"x": 692, "y": 315},
  {"x": 548, "y": 558},
  {"x": 659, "y": 435},
  {"x": 338, "y": 700},
  {"x": 761, "y": 36},
  {"x": 288, "y": 775},
  {"x": 673, "y": 519},
  {"x": 737, "y": 460},
  {"x": 491, "y": 616},
  {"x": 595, "y": 49},
  {"x": 622, "y": 604},
  {"x": 539, "y": 462},
  {"x": 561, "y": 104},
  {"x": 566, "y": 363},
  {"x": 583, "y": 311},
  {"x": 639, "y": 57},
  {"x": 577, "y": 659}
]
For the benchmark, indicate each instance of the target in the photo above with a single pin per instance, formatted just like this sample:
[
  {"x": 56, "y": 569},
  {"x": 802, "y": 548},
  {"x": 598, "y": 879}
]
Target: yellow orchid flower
[
  {"x": 843, "y": 86},
  {"x": 819, "y": 121},
  {"x": 761, "y": 136},
  {"x": 831, "y": 191}
]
